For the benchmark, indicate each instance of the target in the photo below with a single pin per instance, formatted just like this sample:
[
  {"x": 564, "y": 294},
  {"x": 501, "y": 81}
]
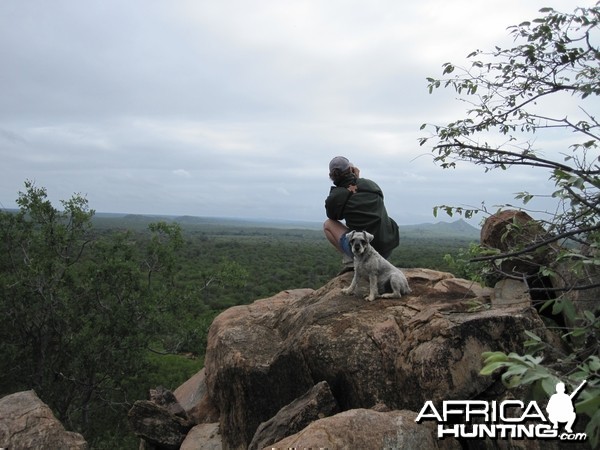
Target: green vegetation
[
  {"x": 512, "y": 93},
  {"x": 98, "y": 309}
]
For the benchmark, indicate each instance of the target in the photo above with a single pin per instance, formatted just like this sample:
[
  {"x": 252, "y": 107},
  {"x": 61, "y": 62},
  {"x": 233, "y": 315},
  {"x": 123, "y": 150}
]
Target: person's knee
[
  {"x": 327, "y": 229},
  {"x": 331, "y": 227},
  {"x": 330, "y": 223}
]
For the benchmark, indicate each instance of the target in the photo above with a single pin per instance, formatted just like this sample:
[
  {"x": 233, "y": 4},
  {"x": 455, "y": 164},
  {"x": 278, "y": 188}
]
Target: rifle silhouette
[{"x": 576, "y": 391}]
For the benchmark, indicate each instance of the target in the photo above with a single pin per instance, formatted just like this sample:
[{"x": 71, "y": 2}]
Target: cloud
[
  {"x": 181, "y": 173},
  {"x": 234, "y": 108}
]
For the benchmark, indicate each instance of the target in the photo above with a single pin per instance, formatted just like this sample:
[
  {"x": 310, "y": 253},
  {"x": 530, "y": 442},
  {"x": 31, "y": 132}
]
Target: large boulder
[
  {"x": 588, "y": 275},
  {"x": 397, "y": 353},
  {"x": 247, "y": 383},
  {"x": 510, "y": 228},
  {"x": 513, "y": 230},
  {"x": 26, "y": 423},
  {"x": 368, "y": 429},
  {"x": 193, "y": 398}
]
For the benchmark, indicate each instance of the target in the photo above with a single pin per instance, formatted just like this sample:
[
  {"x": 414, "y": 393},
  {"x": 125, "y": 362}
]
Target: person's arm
[{"x": 334, "y": 204}]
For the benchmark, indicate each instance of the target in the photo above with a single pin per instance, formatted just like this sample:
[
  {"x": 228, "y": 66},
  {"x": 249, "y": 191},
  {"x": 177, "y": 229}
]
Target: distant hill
[
  {"x": 255, "y": 223},
  {"x": 142, "y": 221},
  {"x": 459, "y": 229}
]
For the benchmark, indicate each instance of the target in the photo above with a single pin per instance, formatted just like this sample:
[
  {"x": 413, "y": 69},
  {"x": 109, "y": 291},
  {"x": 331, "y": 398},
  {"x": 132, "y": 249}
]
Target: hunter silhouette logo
[
  {"x": 560, "y": 407},
  {"x": 478, "y": 419}
]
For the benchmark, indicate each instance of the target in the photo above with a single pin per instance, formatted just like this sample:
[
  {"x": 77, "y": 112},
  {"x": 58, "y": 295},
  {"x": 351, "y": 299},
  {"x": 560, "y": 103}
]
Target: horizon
[{"x": 315, "y": 223}]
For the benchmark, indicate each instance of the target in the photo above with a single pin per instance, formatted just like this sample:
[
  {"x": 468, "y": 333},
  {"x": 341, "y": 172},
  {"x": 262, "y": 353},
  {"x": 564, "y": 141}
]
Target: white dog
[{"x": 368, "y": 263}]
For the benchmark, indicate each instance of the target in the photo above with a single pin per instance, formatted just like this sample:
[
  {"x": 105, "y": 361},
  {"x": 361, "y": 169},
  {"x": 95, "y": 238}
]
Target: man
[{"x": 359, "y": 202}]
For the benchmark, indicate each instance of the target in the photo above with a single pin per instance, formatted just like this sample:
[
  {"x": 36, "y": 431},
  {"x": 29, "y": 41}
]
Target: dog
[{"x": 368, "y": 263}]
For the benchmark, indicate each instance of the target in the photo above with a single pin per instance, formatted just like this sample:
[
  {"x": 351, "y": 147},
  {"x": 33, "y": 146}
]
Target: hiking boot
[{"x": 348, "y": 265}]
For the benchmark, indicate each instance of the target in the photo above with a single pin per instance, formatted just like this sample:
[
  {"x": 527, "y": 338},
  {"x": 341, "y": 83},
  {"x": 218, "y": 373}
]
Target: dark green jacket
[{"x": 359, "y": 202}]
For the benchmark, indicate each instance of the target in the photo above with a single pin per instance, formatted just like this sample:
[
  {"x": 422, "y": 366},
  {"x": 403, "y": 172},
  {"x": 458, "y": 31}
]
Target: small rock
[
  {"x": 157, "y": 426},
  {"x": 26, "y": 422}
]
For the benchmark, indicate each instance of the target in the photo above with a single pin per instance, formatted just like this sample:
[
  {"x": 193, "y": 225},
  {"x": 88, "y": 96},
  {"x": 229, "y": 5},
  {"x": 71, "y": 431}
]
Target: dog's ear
[
  {"x": 349, "y": 235},
  {"x": 368, "y": 236}
]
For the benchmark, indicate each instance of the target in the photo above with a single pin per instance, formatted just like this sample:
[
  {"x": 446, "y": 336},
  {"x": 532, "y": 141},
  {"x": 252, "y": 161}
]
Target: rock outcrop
[
  {"x": 26, "y": 423},
  {"x": 193, "y": 398},
  {"x": 317, "y": 368},
  {"x": 510, "y": 230},
  {"x": 367, "y": 429},
  {"x": 204, "y": 436},
  {"x": 314, "y": 405},
  {"x": 162, "y": 424},
  {"x": 387, "y": 354}
]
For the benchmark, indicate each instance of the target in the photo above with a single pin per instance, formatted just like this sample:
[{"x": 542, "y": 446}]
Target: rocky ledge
[{"x": 324, "y": 369}]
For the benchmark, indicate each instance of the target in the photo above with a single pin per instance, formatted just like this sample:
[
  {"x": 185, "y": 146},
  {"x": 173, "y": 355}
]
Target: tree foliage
[
  {"x": 78, "y": 310},
  {"x": 516, "y": 98},
  {"x": 532, "y": 370}
]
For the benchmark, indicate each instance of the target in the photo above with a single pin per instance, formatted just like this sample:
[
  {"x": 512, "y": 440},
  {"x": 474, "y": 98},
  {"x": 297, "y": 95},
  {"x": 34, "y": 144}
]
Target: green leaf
[
  {"x": 569, "y": 310},
  {"x": 588, "y": 406},
  {"x": 546, "y": 304},
  {"x": 557, "y": 308},
  {"x": 530, "y": 377},
  {"x": 494, "y": 356},
  {"x": 593, "y": 430},
  {"x": 448, "y": 68},
  {"x": 533, "y": 336},
  {"x": 549, "y": 385},
  {"x": 515, "y": 370},
  {"x": 490, "y": 368},
  {"x": 577, "y": 332},
  {"x": 594, "y": 363},
  {"x": 589, "y": 316}
]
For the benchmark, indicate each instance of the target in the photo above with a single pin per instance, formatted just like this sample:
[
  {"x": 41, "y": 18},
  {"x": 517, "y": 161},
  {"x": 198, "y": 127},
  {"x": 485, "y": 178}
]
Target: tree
[
  {"x": 511, "y": 93},
  {"x": 160, "y": 254},
  {"x": 78, "y": 310}
]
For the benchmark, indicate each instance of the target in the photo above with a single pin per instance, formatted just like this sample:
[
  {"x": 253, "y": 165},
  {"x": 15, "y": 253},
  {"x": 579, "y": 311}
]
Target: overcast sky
[{"x": 233, "y": 108}]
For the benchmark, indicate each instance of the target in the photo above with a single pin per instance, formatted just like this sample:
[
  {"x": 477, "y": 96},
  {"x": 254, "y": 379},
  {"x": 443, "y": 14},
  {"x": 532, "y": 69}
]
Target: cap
[{"x": 340, "y": 163}]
